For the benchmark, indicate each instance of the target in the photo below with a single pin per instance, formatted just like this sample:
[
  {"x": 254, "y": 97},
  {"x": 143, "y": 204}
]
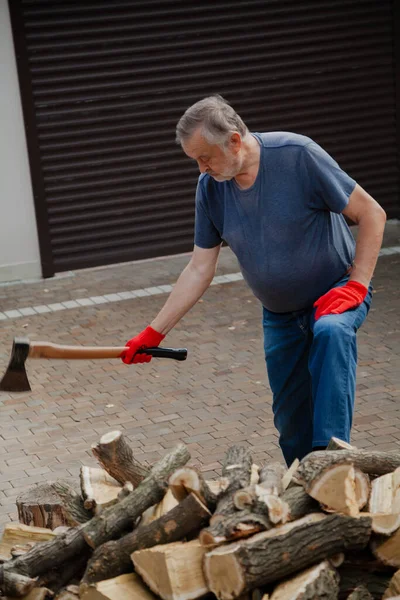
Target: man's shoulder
[{"x": 282, "y": 139}]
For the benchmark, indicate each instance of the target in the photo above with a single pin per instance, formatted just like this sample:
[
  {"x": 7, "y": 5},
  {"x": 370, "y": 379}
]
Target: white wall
[{"x": 19, "y": 248}]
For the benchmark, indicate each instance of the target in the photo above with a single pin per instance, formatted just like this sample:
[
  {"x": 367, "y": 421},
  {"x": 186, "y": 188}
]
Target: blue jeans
[{"x": 311, "y": 368}]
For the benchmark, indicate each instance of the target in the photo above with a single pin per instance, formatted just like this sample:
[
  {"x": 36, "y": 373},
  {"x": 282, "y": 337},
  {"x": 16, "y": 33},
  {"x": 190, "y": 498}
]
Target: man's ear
[{"x": 235, "y": 142}]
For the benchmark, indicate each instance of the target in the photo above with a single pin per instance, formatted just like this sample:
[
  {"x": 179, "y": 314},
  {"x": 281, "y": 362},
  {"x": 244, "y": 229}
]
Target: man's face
[{"x": 221, "y": 164}]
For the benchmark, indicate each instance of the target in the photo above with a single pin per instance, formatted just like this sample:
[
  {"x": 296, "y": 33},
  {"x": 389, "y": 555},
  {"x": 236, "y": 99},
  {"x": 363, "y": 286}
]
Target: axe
[{"x": 16, "y": 380}]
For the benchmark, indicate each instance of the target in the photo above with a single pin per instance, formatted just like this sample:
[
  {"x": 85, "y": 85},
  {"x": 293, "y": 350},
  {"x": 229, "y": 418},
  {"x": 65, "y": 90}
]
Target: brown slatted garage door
[{"x": 104, "y": 83}]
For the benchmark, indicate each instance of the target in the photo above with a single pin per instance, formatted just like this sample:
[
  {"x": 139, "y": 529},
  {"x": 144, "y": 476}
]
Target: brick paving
[{"x": 219, "y": 396}]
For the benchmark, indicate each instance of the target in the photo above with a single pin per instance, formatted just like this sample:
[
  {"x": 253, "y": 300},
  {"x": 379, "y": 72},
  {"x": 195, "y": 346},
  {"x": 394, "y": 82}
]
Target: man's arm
[
  {"x": 191, "y": 285},
  {"x": 370, "y": 218},
  {"x": 363, "y": 210}
]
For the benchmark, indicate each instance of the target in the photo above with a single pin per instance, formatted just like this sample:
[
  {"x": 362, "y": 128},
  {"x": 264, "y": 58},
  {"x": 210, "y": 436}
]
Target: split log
[
  {"x": 387, "y": 550},
  {"x": 320, "y": 581},
  {"x": 383, "y": 524},
  {"x": 393, "y": 587},
  {"x": 66, "y": 595},
  {"x": 331, "y": 478},
  {"x": 237, "y": 469},
  {"x": 385, "y": 500},
  {"x": 371, "y": 462},
  {"x": 241, "y": 524},
  {"x": 158, "y": 510},
  {"x": 287, "y": 479},
  {"x": 114, "y": 558},
  {"x": 273, "y": 555},
  {"x": 17, "y": 534},
  {"x": 50, "y": 505},
  {"x": 158, "y": 568},
  {"x": 351, "y": 578},
  {"x": 109, "y": 525},
  {"x": 37, "y": 594},
  {"x": 71, "y": 592},
  {"x": 360, "y": 593},
  {"x": 187, "y": 480},
  {"x": 99, "y": 489},
  {"x": 338, "y": 444},
  {"x": 116, "y": 456},
  {"x": 124, "y": 587}
]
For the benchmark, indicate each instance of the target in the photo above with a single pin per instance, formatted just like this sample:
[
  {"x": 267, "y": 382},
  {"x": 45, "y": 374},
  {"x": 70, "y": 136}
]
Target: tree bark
[
  {"x": 110, "y": 524},
  {"x": 299, "y": 503},
  {"x": 274, "y": 554},
  {"x": 51, "y": 505},
  {"x": 116, "y": 456},
  {"x": 241, "y": 524},
  {"x": 114, "y": 557},
  {"x": 372, "y": 462},
  {"x": 237, "y": 469}
]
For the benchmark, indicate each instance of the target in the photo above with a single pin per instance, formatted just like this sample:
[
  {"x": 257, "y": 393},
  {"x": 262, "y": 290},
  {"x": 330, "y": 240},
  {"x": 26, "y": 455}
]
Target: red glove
[
  {"x": 148, "y": 338},
  {"x": 340, "y": 299}
]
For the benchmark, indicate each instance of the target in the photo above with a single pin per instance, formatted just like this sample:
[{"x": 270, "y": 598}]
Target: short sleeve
[
  {"x": 330, "y": 186},
  {"x": 206, "y": 234}
]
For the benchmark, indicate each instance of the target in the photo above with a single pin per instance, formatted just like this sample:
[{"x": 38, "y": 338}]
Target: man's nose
[{"x": 202, "y": 166}]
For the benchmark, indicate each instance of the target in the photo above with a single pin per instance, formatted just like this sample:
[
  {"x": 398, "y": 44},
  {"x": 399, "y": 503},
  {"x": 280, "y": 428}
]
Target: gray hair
[{"x": 217, "y": 119}]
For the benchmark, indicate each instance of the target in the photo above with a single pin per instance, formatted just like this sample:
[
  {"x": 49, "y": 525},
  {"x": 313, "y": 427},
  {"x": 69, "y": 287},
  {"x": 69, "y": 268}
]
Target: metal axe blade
[{"x": 15, "y": 378}]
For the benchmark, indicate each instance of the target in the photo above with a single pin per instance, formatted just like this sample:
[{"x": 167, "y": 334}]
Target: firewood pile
[{"x": 328, "y": 527}]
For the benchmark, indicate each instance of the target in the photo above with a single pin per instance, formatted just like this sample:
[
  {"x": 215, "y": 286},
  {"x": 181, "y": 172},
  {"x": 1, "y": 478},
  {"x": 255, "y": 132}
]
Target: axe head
[{"x": 15, "y": 378}]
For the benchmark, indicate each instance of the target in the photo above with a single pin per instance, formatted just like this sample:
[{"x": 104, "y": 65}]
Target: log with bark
[
  {"x": 113, "y": 522},
  {"x": 114, "y": 557},
  {"x": 371, "y": 462},
  {"x": 50, "y": 505},
  {"x": 272, "y": 555},
  {"x": 116, "y": 456},
  {"x": 331, "y": 478},
  {"x": 237, "y": 468}
]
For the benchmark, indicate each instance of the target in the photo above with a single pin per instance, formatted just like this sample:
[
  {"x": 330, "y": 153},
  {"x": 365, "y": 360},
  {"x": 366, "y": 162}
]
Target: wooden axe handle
[{"x": 50, "y": 350}]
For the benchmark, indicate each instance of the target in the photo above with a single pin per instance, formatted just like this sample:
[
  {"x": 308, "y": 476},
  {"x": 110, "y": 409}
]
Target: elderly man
[{"x": 279, "y": 200}]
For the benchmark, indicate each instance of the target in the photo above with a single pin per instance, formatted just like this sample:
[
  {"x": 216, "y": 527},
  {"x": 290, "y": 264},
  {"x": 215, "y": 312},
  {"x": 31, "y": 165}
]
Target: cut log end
[
  {"x": 320, "y": 581},
  {"x": 223, "y": 573}
]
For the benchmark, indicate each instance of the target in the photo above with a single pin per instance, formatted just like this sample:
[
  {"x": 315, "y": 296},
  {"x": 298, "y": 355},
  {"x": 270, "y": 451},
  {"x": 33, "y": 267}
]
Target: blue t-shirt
[{"x": 286, "y": 230}]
